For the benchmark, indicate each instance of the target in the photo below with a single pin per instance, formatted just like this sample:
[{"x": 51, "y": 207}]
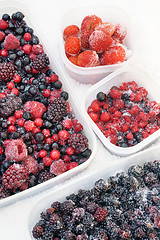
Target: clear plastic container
[
  {"x": 126, "y": 74},
  {"x": 11, "y": 7},
  {"x": 110, "y": 13},
  {"x": 88, "y": 182}
]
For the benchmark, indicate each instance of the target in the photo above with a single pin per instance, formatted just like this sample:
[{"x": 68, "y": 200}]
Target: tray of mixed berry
[
  {"x": 43, "y": 136},
  {"x": 124, "y": 110},
  {"x": 121, "y": 202}
]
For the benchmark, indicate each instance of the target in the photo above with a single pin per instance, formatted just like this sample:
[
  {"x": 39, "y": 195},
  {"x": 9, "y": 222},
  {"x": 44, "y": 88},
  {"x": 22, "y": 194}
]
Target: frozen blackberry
[
  {"x": 40, "y": 61},
  {"x": 9, "y": 104},
  {"x": 57, "y": 109},
  {"x": 14, "y": 176},
  {"x": 20, "y": 24},
  {"x": 100, "y": 234},
  {"x": 7, "y": 71},
  {"x": 67, "y": 207},
  {"x": 44, "y": 176},
  {"x": 78, "y": 141},
  {"x": 3, "y": 192},
  {"x": 37, "y": 231}
]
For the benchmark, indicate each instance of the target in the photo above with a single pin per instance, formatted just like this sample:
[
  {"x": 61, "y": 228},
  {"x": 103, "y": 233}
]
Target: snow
[{"x": 146, "y": 24}]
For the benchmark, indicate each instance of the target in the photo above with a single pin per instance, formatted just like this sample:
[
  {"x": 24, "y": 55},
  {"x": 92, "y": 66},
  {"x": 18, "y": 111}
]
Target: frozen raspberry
[
  {"x": 11, "y": 42},
  {"x": 37, "y": 49},
  {"x": 120, "y": 32},
  {"x": 71, "y": 30},
  {"x": 56, "y": 110},
  {"x": 88, "y": 58},
  {"x": 72, "y": 45},
  {"x": 16, "y": 150},
  {"x": 107, "y": 27},
  {"x": 14, "y": 176},
  {"x": 31, "y": 164},
  {"x": 9, "y": 104},
  {"x": 35, "y": 108},
  {"x": 99, "y": 41},
  {"x": 58, "y": 167},
  {"x": 100, "y": 214},
  {"x": 2, "y": 35},
  {"x": 78, "y": 141},
  {"x": 54, "y": 94},
  {"x": 6, "y": 71},
  {"x": 3, "y": 24},
  {"x": 40, "y": 61},
  {"x": 113, "y": 55}
]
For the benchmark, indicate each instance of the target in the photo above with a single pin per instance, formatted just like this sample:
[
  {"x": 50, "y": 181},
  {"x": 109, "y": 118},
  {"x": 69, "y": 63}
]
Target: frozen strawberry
[
  {"x": 16, "y": 150},
  {"x": 74, "y": 59},
  {"x": 107, "y": 27},
  {"x": 113, "y": 55},
  {"x": 35, "y": 108},
  {"x": 58, "y": 167},
  {"x": 88, "y": 58},
  {"x": 11, "y": 42},
  {"x": 120, "y": 32},
  {"x": 2, "y": 35},
  {"x": 72, "y": 45},
  {"x": 31, "y": 164},
  {"x": 99, "y": 41},
  {"x": 87, "y": 27},
  {"x": 71, "y": 30}
]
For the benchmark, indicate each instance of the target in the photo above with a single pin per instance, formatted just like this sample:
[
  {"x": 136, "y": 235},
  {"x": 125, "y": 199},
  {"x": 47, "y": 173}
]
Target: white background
[{"x": 145, "y": 17}]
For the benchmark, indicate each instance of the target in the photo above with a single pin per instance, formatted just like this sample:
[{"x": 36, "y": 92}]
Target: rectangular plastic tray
[
  {"x": 126, "y": 74},
  {"x": 108, "y": 13},
  {"x": 140, "y": 158},
  {"x": 11, "y": 7}
]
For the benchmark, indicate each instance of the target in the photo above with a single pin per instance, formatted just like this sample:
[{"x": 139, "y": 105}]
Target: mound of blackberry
[
  {"x": 8, "y": 105},
  {"x": 3, "y": 192},
  {"x": 78, "y": 141},
  {"x": 14, "y": 176},
  {"x": 7, "y": 71},
  {"x": 44, "y": 176},
  {"x": 40, "y": 61},
  {"x": 57, "y": 109}
]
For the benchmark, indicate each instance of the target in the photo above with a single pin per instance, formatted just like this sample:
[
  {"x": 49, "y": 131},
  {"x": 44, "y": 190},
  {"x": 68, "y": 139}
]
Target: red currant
[{"x": 55, "y": 154}]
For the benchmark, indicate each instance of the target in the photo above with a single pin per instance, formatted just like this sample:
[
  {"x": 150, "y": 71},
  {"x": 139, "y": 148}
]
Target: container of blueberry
[
  {"x": 123, "y": 110},
  {"x": 121, "y": 202},
  {"x": 95, "y": 41},
  {"x": 44, "y": 138}
]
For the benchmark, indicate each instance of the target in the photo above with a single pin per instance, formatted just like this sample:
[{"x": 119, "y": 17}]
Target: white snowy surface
[{"x": 145, "y": 17}]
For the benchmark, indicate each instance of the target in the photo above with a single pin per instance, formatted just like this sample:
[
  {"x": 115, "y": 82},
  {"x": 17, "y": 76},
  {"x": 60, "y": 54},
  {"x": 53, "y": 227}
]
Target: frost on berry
[
  {"x": 58, "y": 167},
  {"x": 16, "y": 150},
  {"x": 31, "y": 164},
  {"x": 35, "y": 108}
]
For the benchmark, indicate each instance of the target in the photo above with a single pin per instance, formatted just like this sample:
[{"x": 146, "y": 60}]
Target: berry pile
[
  {"x": 95, "y": 43},
  {"x": 125, "y": 115},
  {"x": 127, "y": 206},
  {"x": 37, "y": 127}
]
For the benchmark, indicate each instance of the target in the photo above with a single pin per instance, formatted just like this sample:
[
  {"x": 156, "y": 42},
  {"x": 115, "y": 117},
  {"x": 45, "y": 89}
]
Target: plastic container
[
  {"x": 143, "y": 79},
  {"x": 11, "y": 7},
  {"x": 110, "y": 13},
  {"x": 88, "y": 182}
]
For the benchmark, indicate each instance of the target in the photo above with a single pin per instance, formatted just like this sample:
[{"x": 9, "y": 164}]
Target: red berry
[
  {"x": 115, "y": 93},
  {"x": 27, "y": 37},
  {"x": 15, "y": 91},
  {"x": 46, "y": 93},
  {"x": 1, "y": 150},
  {"x": 67, "y": 123},
  {"x": 54, "y": 77},
  {"x": 124, "y": 127},
  {"x": 15, "y": 149},
  {"x": 70, "y": 150},
  {"x": 93, "y": 116},
  {"x": 38, "y": 122},
  {"x": 58, "y": 167},
  {"x": 48, "y": 140},
  {"x": 129, "y": 136},
  {"x": 100, "y": 214},
  {"x": 55, "y": 154},
  {"x": 113, "y": 55},
  {"x": 2, "y": 35},
  {"x": 55, "y": 137},
  {"x": 72, "y": 45},
  {"x": 95, "y": 107},
  {"x": 88, "y": 58},
  {"x": 105, "y": 116},
  {"x": 42, "y": 153},
  {"x": 72, "y": 165},
  {"x": 10, "y": 85},
  {"x": 107, "y": 27},
  {"x": 99, "y": 41},
  {"x": 29, "y": 125},
  {"x": 63, "y": 135},
  {"x": 46, "y": 132},
  {"x": 37, "y": 49},
  {"x": 4, "y": 53},
  {"x": 73, "y": 59},
  {"x": 66, "y": 158},
  {"x": 3, "y": 24},
  {"x": 11, "y": 42},
  {"x": 16, "y": 78},
  {"x": 35, "y": 108},
  {"x": 71, "y": 30},
  {"x": 27, "y": 48},
  {"x": 11, "y": 120},
  {"x": 47, "y": 161},
  {"x": 31, "y": 164},
  {"x": 11, "y": 128},
  {"x": 120, "y": 31},
  {"x": 18, "y": 114},
  {"x": 20, "y": 122}
]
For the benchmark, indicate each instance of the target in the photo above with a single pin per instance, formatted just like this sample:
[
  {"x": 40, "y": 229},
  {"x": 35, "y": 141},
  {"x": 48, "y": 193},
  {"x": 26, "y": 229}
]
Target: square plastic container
[
  {"x": 127, "y": 74},
  {"x": 88, "y": 182},
  {"x": 11, "y": 7},
  {"x": 110, "y": 13}
]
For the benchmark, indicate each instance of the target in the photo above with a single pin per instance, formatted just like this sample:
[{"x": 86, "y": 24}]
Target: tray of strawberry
[
  {"x": 121, "y": 202},
  {"x": 42, "y": 142}
]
